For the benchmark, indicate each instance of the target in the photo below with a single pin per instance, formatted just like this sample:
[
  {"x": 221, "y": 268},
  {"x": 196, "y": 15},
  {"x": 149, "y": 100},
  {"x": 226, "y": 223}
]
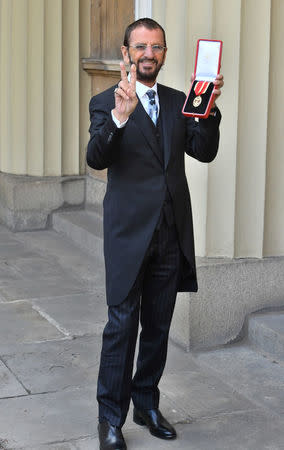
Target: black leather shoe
[
  {"x": 111, "y": 437},
  {"x": 157, "y": 424}
]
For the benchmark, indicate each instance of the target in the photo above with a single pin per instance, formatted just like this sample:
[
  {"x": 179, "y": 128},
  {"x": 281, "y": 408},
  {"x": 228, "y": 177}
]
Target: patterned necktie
[{"x": 152, "y": 105}]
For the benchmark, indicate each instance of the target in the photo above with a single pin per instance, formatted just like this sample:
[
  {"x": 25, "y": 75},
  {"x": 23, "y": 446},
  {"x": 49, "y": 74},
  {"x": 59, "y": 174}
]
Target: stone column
[
  {"x": 40, "y": 109},
  {"x": 18, "y": 74},
  {"x": 5, "y": 83},
  {"x": 199, "y": 24},
  {"x": 70, "y": 87},
  {"x": 274, "y": 210},
  {"x": 252, "y": 128},
  {"x": 53, "y": 88},
  {"x": 222, "y": 172},
  {"x": 85, "y": 82},
  {"x": 35, "y": 89}
]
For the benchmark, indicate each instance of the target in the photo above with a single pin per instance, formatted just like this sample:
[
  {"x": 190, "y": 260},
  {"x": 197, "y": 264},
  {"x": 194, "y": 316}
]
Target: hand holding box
[{"x": 207, "y": 66}]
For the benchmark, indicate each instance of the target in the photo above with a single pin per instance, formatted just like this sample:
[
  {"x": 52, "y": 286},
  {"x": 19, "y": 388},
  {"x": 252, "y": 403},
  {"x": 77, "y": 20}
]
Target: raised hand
[{"x": 125, "y": 94}]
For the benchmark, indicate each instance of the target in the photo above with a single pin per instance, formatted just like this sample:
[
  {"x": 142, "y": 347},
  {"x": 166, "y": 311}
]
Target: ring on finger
[{"x": 116, "y": 89}]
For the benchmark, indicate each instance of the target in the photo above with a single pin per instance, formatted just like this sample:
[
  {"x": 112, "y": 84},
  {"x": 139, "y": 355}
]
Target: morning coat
[{"x": 138, "y": 179}]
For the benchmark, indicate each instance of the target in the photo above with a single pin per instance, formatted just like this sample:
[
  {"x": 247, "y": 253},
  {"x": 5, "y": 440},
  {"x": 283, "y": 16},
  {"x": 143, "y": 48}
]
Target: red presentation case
[{"x": 207, "y": 66}]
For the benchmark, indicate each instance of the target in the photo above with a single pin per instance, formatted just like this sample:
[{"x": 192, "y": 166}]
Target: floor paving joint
[
  {"x": 51, "y": 320},
  {"x": 16, "y": 377}
]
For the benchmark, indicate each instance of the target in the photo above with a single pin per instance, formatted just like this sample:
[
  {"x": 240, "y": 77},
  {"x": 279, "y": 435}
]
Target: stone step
[
  {"x": 266, "y": 333},
  {"x": 84, "y": 228},
  {"x": 249, "y": 373}
]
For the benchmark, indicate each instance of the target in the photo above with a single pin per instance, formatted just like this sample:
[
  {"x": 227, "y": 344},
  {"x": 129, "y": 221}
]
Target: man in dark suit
[{"x": 139, "y": 133}]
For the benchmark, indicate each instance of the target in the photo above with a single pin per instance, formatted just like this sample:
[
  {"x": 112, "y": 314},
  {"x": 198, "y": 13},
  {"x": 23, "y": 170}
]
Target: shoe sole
[{"x": 121, "y": 448}]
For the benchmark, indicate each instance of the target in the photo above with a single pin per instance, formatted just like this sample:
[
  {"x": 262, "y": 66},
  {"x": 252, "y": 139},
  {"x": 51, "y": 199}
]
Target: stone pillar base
[
  {"x": 229, "y": 290},
  {"x": 26, "y": 202},
  {"x": 95, "y": 192}
]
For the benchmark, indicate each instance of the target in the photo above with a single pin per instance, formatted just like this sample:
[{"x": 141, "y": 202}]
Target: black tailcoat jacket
[{"x": 138, "y": 179}]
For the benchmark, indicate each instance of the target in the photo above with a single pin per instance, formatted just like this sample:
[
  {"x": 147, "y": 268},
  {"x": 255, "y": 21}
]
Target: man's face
[{"x": 148, "y": 62}]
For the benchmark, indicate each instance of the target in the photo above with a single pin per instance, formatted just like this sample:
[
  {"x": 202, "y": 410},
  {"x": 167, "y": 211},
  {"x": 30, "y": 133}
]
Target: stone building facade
[{"x": 55, "y": 54}]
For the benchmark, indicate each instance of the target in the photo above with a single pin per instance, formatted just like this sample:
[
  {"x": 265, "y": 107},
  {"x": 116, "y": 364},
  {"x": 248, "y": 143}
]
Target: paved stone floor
[{"x": 52, "y": 313}]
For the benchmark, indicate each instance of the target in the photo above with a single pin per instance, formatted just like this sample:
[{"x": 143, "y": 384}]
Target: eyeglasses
[{"x": 142, "y": 48}]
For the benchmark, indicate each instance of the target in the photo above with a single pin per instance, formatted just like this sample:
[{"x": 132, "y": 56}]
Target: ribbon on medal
[{"x": 199, "y": 89}]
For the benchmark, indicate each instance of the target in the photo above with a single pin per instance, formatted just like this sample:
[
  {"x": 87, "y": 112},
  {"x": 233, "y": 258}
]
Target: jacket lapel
[
  {"x": 166, "y": 121},
  {"x": 144, "y": 124}
]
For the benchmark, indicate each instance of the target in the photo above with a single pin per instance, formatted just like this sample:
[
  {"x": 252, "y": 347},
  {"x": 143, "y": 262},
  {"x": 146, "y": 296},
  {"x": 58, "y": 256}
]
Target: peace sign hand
[{"x": 125, "y": 94}]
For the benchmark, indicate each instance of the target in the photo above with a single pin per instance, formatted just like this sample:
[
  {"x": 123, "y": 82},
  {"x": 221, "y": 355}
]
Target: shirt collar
[{"x": 141, "y": 88}]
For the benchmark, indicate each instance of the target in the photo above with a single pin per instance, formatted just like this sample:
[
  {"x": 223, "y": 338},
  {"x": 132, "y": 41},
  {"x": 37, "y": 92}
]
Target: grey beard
[{"x": 144, "y": 76}]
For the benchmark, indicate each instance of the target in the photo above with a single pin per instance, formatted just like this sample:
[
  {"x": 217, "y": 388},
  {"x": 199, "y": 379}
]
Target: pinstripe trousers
[{"x": 152, "y": 299}]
